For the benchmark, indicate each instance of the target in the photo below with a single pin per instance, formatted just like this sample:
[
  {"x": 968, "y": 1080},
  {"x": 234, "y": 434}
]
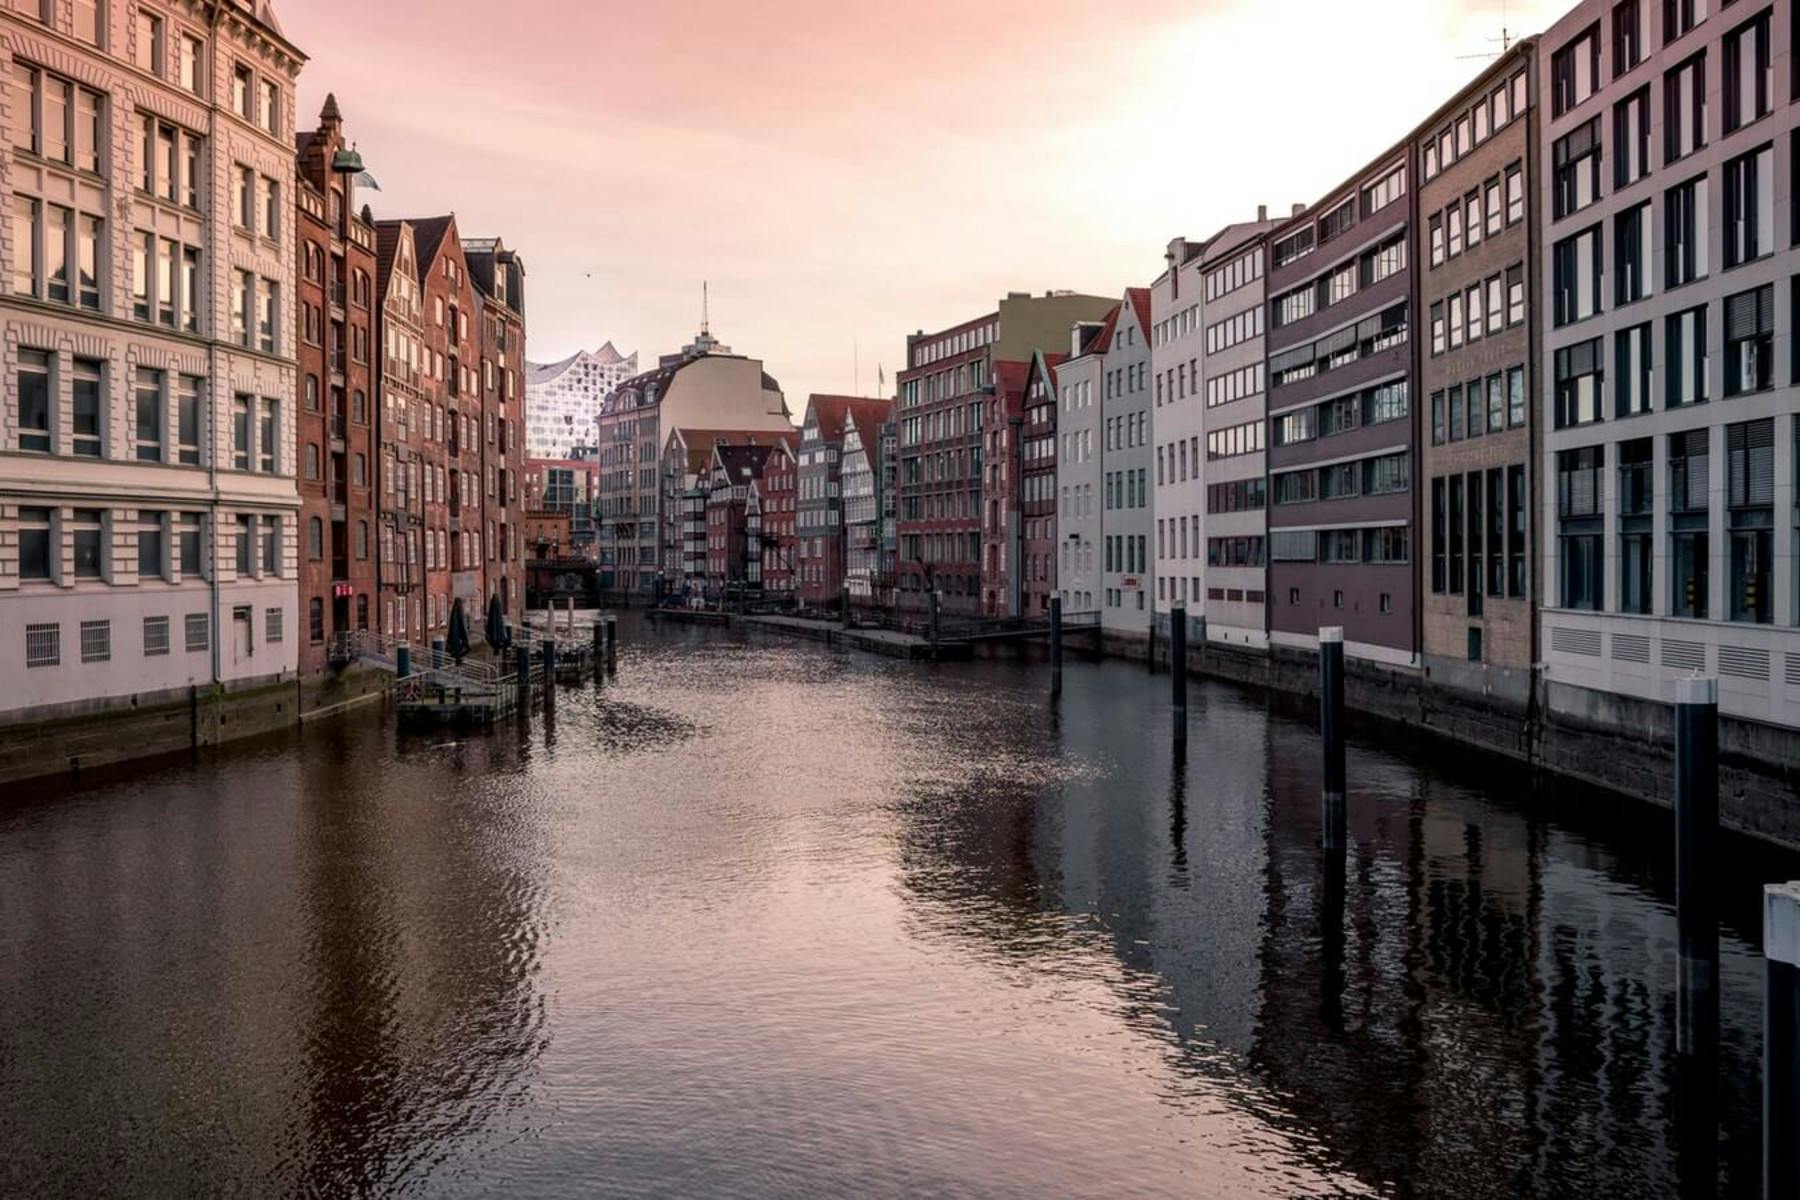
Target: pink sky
[{"x": 847, "y": 171}]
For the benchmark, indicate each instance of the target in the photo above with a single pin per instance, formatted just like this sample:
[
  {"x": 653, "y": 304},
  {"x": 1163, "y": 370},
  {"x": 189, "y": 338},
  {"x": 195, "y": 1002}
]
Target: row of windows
[
  {"x": 1241, "y": 271},
  {"x": 1483, "y": 309},
  {"x": 1478, "y": 532},
  {"x": 43, "y": 640},
  {"x": 1688, "y": 557},
  {"x": 1235, "y": 385},
  {"x": 1487, "y": 116},
  {"x": 1127, "y": 489},
  {"x": 1340, "y": 348},
  {"x": 1480, "y": 407},
  {"x": 1381, "y": 475},
  {"x": 1241, "y": 327},
  {"x": 65, "y": 549},
  {"x": 1497, "y": 204},
  {"x": 1234, "y": 441},
  {"x": 1243, "y": 495},
  {"x": 1371, "y": 406},
  {"x": 1386, "y": 544},
  {"x": 1749, "y": 338}
]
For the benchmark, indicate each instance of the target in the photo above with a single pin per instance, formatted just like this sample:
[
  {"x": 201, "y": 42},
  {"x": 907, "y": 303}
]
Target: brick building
[
  {"x": 409, "y": 458},
  {"x": 944, "y": 390},
  {"x": 498, "y": 275},
  {"x": 1478, "y": 357},
  {"x": 769, "y": 523},
  {"x": 729, "y": 476},
  {"x": 334, "y": 425}
]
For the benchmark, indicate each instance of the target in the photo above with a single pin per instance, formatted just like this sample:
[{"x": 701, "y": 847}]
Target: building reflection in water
[{"x": 1478, "y": 1000}]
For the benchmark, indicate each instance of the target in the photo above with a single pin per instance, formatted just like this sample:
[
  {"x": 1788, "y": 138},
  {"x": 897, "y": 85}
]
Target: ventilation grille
[
  {"x": 1744, "y": 663},
  {"x": 1684, "y": 656},
  {"x": 1575, "y": 641},
  {"x": 1793, "y": 669},
  {"x": 1631, "y": 648}
]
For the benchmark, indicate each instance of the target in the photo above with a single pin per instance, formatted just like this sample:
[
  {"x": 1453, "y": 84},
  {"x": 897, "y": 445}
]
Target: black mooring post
[
  {"x": 599, "y": 649},
  {"x": 612, "y": 644},
  {"x": 1696, "y": 857},
  {"x": 402, "y": 661},
  {"x": 437, "y": 654},
  {"x": 1178, "y": 657},
  {"x": 1781, "y": 1040},
  {"x": 549, "y": 663},
  {"x": 522, "y": 671},
  {"x": 1056, "y": 643},
  {"x": 936, "y": 614},
  {"x": 1331, "y": 732}
]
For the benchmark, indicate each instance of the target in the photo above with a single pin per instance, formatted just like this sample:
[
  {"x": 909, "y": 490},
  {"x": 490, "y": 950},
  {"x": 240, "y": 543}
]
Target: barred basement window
[
  {"x": 272, "y": 623},
  {"x": 43, "y": 645},
  {"x": 156, "y": 636},
  {"x": 96, "y": 641},
  {"x": 199, "y": 630}
]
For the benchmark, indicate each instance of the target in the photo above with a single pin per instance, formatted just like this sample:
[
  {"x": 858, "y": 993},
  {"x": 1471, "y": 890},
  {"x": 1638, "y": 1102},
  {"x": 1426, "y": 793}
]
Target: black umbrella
[
  {"x": 457, "y": 641},
  {"x": 496, "y": 624}
]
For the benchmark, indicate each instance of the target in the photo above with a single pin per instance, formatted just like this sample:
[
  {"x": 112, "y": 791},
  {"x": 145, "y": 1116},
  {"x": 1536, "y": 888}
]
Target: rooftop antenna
[
  {"x": 1505, "y": 39},
  {"x": 705, "y": 303}
]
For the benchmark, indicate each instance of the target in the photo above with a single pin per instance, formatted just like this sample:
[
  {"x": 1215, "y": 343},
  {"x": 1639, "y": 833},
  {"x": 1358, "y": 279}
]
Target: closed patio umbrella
[{"x": 457, "y": 641}]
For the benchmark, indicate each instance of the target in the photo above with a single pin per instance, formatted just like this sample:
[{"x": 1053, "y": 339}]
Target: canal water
[{"x": 761, "y": 919}]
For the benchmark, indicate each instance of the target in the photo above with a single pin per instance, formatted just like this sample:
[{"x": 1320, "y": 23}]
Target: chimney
[
  {"x": 1298, "y": 209},
  {"x": 1262, "y": 212}
]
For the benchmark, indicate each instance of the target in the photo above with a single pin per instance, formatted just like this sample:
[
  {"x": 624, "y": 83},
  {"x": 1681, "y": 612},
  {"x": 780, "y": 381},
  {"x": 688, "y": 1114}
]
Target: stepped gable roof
[
  {"x": 699, "y": 444},
  {"x": 428, "y": 237}
]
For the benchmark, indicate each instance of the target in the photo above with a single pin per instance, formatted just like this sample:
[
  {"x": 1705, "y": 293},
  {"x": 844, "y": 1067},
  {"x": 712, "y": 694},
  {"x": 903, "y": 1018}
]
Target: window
[
  {"x": 1631, "y": 138},
  {"x": 1581, "y": 565},
  {"x": 271, "y": 107},
  {"x": 1631, "y": 371},
  {"x": 187, "y": 417},
  {"x": 1515, "y": 396},
  {"x": 274, "y": 624},
  {"x": 1680, "y": 16},
  {"x": 198, "y": 628},
  {"x": 1684, "y": 232},
  {"x": 1750, "y": 341},
  {"x": 1472, "y": 218},
  {"x": 1575, "y": 181},
  {"x": 243, "y": 313},
  {"x": 148, "y": 52},
  {"x": 151, "y": 545},
  {"x": 193, "y": 73},
  {"x": 1453, "y": 222},
  {"x": 150, "y": 419},
  {"x": 1750, "y": 504},
  {"x": 1575, "y": 71},
  {"x": 1637, "y": 490},
  {"x": 1629, "y": 40},
  {"x": 1685, "y": 357},
  {"x": 89, "y": 417},
  {"x": 34, "y": 400},
  {"x": 96, "y": 641},
  {"x": 1495, "y": 207},
  {"x": 187, "y": 545},
  {"x": 243, "y": 91},
  {"x": 43, "y": 645},
  {"x": 1689, "y": 545},
  {"x": 271, "y": 207},
  {"x": 1749, "y": 72},
  {"x": 1436, "y": 225},
  {"x": 241, "y": 407},
  {"x": 156, "y": 636},
  {"x": 268, "y": 441},
  {"x": 270, "y": 316},
  {"x": 1684, "y": 109},
  {"x": 1576, "y": 276},
  {"x": 1750, "y": 206},
  {"x": 34, "y": 544},
  {"x": 1632, "y": 250},
  {"x": 246, "y": 198},
  {"x": 1337, "y": 222},
  {"x": 86, "y": 540},
  {"x": 1515, "y": 295},
  {"x": 1578, "y": 380},
  {"x": 315, "y": 538},
  {"x": 90, "y": 21}
]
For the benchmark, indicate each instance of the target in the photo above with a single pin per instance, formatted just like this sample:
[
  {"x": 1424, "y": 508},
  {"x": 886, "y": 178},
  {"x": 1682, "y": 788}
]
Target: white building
[
  {"x": 1078, "y": 487},
  {"x": 562, "y": 399},
  {"x": 1126, "y": 517},
  {"x": 147, "y": 497},
  {"x": 1177, "y": 428}
]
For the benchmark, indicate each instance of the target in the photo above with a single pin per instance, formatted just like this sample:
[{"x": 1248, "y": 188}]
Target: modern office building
[
  {"x": 148, "y": 506},
  {"x": 335, "y": 423},
  {"x": 944, "y": 394},
  {"x": 1340, "y": 442},
  {"x": 563, "y": 399},
  {"x": 1477, "y": 244},
  {"x": 704, "y": 386},
  {"x": 1670, "y": 539}
]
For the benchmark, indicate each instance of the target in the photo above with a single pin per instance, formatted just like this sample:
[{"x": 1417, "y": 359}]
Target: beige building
[
  {"x": 703, "y": 387},
  {"x": 147, "y": 497}
]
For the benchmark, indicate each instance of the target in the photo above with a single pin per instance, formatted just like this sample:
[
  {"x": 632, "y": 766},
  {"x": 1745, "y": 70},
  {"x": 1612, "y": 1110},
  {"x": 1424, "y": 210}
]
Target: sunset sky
[{"x": 847, "y": 171}]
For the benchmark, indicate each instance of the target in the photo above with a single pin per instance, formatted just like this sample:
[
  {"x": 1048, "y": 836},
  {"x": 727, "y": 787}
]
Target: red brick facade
[{"x": 334, "y": 425}]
